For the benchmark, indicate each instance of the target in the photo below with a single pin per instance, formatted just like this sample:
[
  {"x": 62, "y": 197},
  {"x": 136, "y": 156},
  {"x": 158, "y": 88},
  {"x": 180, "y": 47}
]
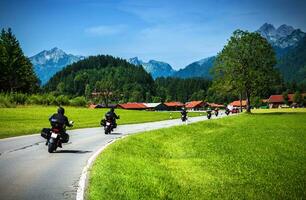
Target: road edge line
[{"x": 82, "y": 181}]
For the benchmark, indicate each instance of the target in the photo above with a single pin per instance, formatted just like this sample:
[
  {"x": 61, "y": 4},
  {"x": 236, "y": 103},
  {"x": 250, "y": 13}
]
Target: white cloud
[{"x": 104, "y": 30}]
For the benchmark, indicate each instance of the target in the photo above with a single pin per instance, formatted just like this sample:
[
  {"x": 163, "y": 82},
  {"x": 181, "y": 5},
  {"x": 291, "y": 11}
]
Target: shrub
[
  {"x": 78, "y": 101},
  {"x": 6, "y": 101},
  {"x": 35, "y": 99},
  {"x": 18, "y": 98},
  {"x": 62, "y": 100}
]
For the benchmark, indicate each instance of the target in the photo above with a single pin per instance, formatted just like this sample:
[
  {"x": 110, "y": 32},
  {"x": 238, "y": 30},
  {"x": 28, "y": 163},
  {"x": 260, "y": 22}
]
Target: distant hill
[
  {"x": 126, "y": 81},
  {"x": 155, "y": 68},
  {"x": 47, "y": 63},
  {"x": 199, "y": 68}
]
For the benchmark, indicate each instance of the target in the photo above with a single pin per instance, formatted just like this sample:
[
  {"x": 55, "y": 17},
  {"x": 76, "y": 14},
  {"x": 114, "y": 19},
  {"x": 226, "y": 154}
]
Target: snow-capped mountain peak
[
  {"x": 284, "y": 36},
  {"x": 155, "y": 68},
  {"x": 48, "y": 62}
]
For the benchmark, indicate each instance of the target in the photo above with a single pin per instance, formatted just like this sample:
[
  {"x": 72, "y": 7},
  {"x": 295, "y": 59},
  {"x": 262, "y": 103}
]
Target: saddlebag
[
  {"x": 64, "y": 138},
  {"x": 45, "y": 133},
  {"x": 103, "y": 122}
]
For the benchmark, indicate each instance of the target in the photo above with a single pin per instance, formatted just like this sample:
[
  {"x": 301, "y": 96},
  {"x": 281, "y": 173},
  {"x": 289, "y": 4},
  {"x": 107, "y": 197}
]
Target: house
[
  {"x": 132, "y": 106},
  {"x": 215, "y": 105},
  {"x": 156, "y": 106},
  {"x": 277, "y": 101},
  {"x": 237, "y": 103},
  {"x": 174, "y": 105},
  {"x": 195, "y": 105}
]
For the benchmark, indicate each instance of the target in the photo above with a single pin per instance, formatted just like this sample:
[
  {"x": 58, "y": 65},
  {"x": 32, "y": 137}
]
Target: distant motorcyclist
[
  {"x": 60, "y": 121},
  {"x": 216, "y": 111},
  {"x": 111, "y": 115},
  {"x": 184, "y": 114},
  {"x": 209, "y": 112}
]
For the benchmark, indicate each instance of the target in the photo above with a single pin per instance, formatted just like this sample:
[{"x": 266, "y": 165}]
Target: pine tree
[{"x": 16, "y": 70}]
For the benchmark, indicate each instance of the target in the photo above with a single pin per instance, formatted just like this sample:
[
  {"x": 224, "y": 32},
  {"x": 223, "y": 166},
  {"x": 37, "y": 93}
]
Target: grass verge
[
  {"x": 258, "y": 156},
  {"x": 31, "y": 119}
]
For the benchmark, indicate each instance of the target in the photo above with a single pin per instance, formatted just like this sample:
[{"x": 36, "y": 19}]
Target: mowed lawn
[
  {"x": 257, "y": 156},
  {"x": 31, "y": 119}
]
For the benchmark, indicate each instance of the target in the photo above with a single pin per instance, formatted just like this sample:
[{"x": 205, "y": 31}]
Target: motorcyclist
[
  {"x": 111, "y": 115},
  {"x": 184, "y": 114},
  {"x": 60, "y": 121}
]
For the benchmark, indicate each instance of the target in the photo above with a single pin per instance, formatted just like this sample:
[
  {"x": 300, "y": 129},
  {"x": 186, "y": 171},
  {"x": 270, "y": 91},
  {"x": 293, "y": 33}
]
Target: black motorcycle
[
  {"x": 208, "y": 114},
  {"x": 227, "y": 111},
  {"x": 108, "y": 125},
  {"x": 184, "y": 118},
  {"x": 54, "y": 137},
  {"x": 216, "y": 113}
]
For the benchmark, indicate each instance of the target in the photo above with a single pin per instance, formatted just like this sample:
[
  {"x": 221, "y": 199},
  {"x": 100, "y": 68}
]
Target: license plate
[
  {"x": 53, "y": 135},
  {"x": 107, "y": 123}
]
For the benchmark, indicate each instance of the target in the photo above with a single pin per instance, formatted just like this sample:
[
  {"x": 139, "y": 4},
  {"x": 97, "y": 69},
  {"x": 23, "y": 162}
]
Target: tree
[
  {"x": 246, "y": 65},
  {"x": 16, "y": 70},
  {"x": 298, "y": 98},
  {"x": 286, "y": 98},
  {"x": 105, "y": 88}
]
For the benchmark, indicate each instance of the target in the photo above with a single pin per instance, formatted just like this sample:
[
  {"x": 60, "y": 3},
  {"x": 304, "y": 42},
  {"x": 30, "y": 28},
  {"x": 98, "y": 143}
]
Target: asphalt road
[{"x": 28, "y": 171}]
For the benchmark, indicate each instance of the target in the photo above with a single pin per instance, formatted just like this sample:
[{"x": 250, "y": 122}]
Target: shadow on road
[
  {"x": 115, "y": 134},
  {"x": 72, "y": 151}
]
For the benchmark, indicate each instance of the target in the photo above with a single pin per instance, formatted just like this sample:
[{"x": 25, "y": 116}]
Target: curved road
[{"x": 28, "y": 171}]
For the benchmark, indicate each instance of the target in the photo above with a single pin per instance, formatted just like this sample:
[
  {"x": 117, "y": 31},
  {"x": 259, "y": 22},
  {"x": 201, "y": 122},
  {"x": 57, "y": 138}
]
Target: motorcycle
[
  {"x": 54, "y": 137},
  {"x": 208, "y": 114},
  {"x": 184, "y": 118},
  {"x": 227, "y": 111},
  {"x": 216, "y": 112},
  {"x": 108, "y": 125}
]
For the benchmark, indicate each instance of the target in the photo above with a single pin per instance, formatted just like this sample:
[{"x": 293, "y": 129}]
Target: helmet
[
  {"x": 61, "y": 110},
  {"x": 112, "y": 109}
]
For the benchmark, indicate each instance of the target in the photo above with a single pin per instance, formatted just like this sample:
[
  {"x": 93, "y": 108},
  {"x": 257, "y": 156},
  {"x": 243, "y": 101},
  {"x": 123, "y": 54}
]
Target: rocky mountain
[
  {"x": 283, "y": 37},
  {"x": 199, "y": 68},
  {"x": 292, "y": 64},
  {"x": 47, "y": 63},
  {"x": 155, "y": 68}
]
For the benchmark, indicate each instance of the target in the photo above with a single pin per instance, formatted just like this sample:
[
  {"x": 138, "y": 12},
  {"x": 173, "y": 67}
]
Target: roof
[
  {"x": 174, "y": 104},
  {"x": 194, "y": 104},
  {"x": 237, "y": 103},
  {"x": 151, "y": 105},
  {"x": 279, "y": 98},
  {"x": 133, "y": 106},
  {"x": 216, "y": 105}
]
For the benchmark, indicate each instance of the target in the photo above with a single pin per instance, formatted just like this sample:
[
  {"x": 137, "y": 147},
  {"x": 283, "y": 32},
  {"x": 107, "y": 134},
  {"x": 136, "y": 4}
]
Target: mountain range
[
  {"x": 284, "y": 39},
  {"x": 47, "y": 63}
]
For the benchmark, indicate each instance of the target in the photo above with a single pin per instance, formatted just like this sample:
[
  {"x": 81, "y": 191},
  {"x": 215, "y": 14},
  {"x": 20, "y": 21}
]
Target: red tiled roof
[
  {"x": 279, "y": 98},
  {"x": 174, "y": 104},
  {"x": 194, "y": 104},
  {"x": 237, "y": 103},
  {"x": 132, "y": 106},
  {"x": 216, "y": 105}
]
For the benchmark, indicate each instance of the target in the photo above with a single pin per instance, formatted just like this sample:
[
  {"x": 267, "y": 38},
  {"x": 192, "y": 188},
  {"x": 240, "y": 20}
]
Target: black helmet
[
  {"x": 61, "y": 110},
  {"x": 112, "y": 109}
]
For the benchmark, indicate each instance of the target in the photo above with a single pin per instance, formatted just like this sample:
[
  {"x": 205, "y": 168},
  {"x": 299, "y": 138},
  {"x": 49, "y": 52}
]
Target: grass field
[
  {"x": 256, "y": 156},
  {"x": 31, "y": 119}
]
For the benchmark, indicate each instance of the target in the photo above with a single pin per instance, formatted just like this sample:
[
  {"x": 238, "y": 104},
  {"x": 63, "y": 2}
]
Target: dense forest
[{"x": 115, "y": 80}]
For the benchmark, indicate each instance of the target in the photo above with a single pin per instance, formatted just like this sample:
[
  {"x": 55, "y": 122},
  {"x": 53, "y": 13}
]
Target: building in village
[
  {"x": 195, "y": 105},
  {"x": 277, "y": 101},
  {"x": 156, "y": 106},
  {"x": 174, "y": 105},
  {"x": 132, "y": 106},
  {"x": 236, "y": 104}
]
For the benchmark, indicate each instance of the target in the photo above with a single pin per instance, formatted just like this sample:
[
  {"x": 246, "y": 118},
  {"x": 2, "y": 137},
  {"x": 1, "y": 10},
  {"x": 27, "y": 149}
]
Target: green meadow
[
  {"x": 24, "y": 120},
  {"x": 249, "y": 156}
]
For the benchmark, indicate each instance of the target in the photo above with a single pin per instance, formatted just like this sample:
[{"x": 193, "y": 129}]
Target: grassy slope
[
  {"x": 258, "y": 156},
  {"x": 31, "y": 119}
]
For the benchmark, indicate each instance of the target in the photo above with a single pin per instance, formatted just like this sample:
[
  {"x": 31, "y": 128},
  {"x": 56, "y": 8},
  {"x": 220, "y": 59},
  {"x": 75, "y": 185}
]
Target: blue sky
[{"x": 177, "y": 32}]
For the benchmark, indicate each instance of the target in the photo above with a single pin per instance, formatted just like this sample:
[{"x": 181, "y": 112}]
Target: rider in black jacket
[
  {"x": 60, "y": 121},
  {"x": 111, "y": 115}
]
